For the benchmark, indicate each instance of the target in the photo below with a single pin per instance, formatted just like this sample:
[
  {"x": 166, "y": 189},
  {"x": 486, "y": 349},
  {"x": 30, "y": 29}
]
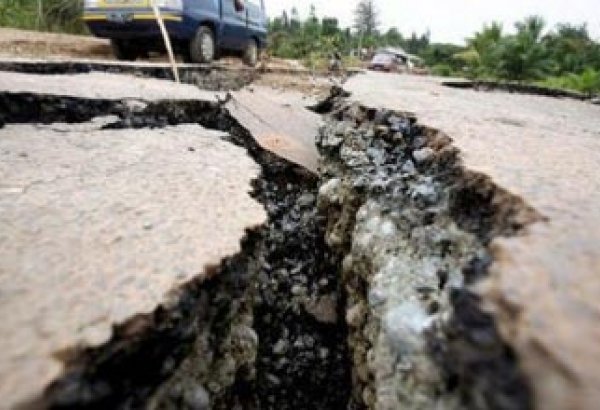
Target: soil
[{"x": 34, "y": 44}]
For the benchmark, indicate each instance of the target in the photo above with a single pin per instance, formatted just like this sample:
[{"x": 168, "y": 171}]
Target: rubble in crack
[
  {"x": 412, "y": 227},
  {"x": 302, "y": 354},
  {"x": 184, "y": 355}
]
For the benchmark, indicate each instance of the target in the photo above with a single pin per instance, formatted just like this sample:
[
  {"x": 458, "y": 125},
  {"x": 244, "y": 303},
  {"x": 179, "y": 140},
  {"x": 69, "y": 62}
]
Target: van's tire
[
  {"x": 123, "y": 50},
  {"x": 202, "y": 46},
  {"x": 251, "y": 53}
]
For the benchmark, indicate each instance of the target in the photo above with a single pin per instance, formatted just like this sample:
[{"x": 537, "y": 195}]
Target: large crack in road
[
  {"x": 354, "y": 294},
  {"x": 413, "y": 229},
  {"x": 282, "y": 290}
]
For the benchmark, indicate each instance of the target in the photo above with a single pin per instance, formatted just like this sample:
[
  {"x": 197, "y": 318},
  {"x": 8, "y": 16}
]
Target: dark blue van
[{"x": 199, "y": 29}]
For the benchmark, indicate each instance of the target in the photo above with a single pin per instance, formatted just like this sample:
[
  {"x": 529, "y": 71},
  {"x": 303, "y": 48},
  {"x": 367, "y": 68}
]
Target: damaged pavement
[{"x": 163, "y": 246}]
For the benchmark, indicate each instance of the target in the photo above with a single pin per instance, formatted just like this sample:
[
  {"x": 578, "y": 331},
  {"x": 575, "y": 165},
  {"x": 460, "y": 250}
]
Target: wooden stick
[{"x": 167, "y": 40}]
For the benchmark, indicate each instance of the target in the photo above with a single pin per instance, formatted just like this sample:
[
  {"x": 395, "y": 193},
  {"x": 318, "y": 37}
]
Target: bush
[
  {"x": 442, "y": 70},
  {"x": 587, "y": 82},
  {"x": 56, "y": 15}
]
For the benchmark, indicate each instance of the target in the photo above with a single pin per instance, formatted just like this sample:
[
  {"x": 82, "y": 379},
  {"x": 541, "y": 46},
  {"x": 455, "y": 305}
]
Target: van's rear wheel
[
  {"x": 123, "y": 50},
  {"x": 202, "y": 46},
  {"x": 251, "y": 53}
]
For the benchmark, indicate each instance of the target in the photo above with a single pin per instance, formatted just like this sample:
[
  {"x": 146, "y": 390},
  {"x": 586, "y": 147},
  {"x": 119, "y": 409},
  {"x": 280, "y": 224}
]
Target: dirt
[
  {"x": 27, "y": 44},
  {"x": 34, "y": 44},
  {"x": 315, "y": 87}
]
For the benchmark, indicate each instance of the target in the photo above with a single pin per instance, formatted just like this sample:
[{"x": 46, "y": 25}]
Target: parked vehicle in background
[
  {"x": 200, "y": 30},
  {"x": 394, "y": 59},
  {"x": 384, "y": 62}
]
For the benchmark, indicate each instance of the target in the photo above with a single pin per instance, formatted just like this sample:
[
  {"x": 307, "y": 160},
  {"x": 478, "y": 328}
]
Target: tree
[
  {"x": 570, "y": 48},
  {"x": 295, "y": 23},
  {"x": 366, "y": 18},
  {"x": 285, "y": 20},
  {"x": 393, "y": 38},
  {"x": 442, "y": 54},
  {"x": 276, "y": 25},
  {"x": 417, "y": 44},
  {"x": 523, "y": 56},
  {"x": 312, "y": 26},
  {"x": 482, "y": 53},
  {"x": 531, "y": 27},
  {"x": 330, "y": 26}
]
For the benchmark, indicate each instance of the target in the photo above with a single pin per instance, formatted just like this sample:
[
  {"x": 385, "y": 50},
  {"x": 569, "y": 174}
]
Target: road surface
[
  {"x": 98, "y": 226},
  {"x": 75, "y": 197},
  {"x": 544, "y": 283}
]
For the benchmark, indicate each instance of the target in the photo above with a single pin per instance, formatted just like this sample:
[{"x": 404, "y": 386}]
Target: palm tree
[
  {"x": 481, "y": 54},
  {"x": 523, "y": 56}
]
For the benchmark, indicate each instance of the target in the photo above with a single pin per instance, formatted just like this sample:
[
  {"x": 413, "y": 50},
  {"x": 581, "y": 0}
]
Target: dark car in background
[
  {"x": 199, "y": 29},
  {"x": 394, "y": 59},
  {"x": 383, "y": 62}
]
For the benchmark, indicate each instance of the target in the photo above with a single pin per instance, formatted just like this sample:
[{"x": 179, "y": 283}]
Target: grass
[
  {"x": 588, "y": 82},
  {"x": 56, "y": 15}
]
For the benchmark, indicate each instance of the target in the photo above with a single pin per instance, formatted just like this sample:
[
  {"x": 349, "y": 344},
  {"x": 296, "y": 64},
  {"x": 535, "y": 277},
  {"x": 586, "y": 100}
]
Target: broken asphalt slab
[
  {"x": 280, "y": 122},
  {"x": 99, "y": 226},
  {"x": 102, "y": 86}
]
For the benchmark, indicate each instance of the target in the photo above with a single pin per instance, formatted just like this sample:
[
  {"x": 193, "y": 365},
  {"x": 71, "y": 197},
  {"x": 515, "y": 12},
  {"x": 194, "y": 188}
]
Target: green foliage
[
  {"x": 64, "y": 15},
  {"x": 45, "y": 15},
  {"x": 444, "y": 55},
  {"x": 442, "y": 70},
  {"x": 565, "y": 58},
  {"x": 523, "y": 56},
  {"x": 520, "y": 60},
  {"x": 482, "y": 56},
  {"x": 18, "y": 13},
  {"x": 587, "y": 82},
  {"x": 393, "y": 38},
  {"x": 315, "y": 41},
  {"x": 417, "y": 44},
  {"x": 571, "y": 49}
]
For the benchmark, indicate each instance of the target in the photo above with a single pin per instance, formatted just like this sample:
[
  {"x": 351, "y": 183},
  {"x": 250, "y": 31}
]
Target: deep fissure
[
  {"x": 281, "y": 290},
  {"x": 413, "y": 228},
  {"x": 297, "y": 319}
]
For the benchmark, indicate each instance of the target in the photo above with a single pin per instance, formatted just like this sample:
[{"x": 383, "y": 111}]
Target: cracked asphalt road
[
  {"x": 545, "y": 283},
  {"x": 78, "y": 201},
  {"x": 99, "y": 226}
]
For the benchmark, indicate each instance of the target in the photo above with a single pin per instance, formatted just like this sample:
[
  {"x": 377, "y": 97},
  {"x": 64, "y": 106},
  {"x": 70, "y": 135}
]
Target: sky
[{"x": 452, "y": 20}]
